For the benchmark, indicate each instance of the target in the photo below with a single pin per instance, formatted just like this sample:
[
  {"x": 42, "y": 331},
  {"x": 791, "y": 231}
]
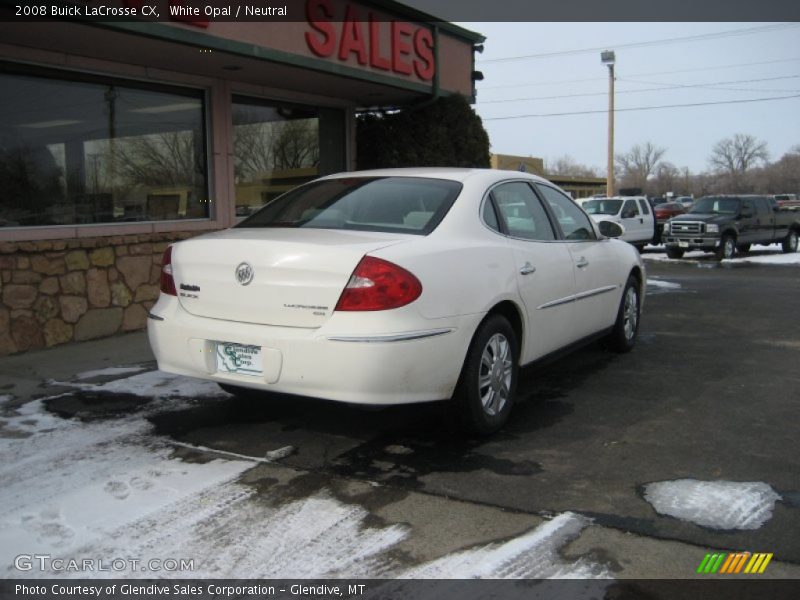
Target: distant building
[{"x": 577, "y": 187}]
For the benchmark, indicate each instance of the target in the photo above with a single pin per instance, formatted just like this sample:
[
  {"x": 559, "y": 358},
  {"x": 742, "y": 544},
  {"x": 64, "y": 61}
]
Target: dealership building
[{"x": 120, "y": 137}]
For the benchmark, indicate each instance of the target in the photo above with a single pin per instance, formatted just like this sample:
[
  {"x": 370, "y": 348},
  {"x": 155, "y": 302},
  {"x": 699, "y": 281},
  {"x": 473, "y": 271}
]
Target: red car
[
  {"x": 667, "y": 210},
  {"x": 663, "y": 213}
]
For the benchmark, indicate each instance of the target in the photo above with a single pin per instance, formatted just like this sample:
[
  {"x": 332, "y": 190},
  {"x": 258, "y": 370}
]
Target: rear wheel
[
  {"x": 626, "y": 328},
  {"x": 727, "y": 248},
  {"x": 674, "y": 252},
  {"x": 790, "y": 242},
  {"x": 485, "y": 391}
]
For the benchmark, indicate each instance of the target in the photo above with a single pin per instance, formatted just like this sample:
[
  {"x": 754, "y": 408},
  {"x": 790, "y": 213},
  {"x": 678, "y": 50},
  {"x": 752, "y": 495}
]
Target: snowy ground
[
  {"x": 761, "y": 255},
  {"x": 111, "y": 489}
]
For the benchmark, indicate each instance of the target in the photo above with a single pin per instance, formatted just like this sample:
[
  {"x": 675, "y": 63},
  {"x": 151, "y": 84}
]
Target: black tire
[
  {"x": 626, "y": 328},
  {"x": 674, "y": 253},
  {"x": 789, "y": 243},
  {"x": 743, "y": 248},
  {"x": 727, "y": 248},
  {"x": 484, "y": 409}
]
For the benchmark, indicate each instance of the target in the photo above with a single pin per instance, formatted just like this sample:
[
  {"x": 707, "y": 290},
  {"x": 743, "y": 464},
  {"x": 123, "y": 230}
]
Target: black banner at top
[{"x": 460, "y": 11}]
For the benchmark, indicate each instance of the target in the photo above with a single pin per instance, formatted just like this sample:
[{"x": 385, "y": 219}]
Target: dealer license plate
[
  {"x": 683, "y": 244},
  {"x": 239, "y": 358}
]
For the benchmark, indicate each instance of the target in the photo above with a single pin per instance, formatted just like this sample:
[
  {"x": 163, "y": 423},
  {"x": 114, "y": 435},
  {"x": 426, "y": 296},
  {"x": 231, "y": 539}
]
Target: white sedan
[{"x": 397, "y": 286}]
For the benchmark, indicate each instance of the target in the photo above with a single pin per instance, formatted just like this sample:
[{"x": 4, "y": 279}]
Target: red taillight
[
  {"x": 167, "y": 282},
  {"x": 379, "y": 285}
]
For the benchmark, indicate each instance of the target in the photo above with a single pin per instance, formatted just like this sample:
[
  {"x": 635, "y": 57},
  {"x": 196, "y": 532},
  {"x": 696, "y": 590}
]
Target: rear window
[{"x": 390, "y": 204}]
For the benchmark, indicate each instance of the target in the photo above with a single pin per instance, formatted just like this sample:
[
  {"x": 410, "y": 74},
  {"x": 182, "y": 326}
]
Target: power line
[
  {"x": 696, "y": 69},
  {"x": 655, "y": 89},
  {"x": 661, "y": 42},
  {"x": 639, "y": 108}
]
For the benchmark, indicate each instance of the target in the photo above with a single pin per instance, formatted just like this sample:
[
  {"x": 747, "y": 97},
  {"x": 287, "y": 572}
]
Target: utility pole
[{"x": 607, "y": 58}]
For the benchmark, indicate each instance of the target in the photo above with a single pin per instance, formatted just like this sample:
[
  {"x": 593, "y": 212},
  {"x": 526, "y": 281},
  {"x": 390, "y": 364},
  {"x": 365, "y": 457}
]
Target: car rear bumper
[{"x": 364, "y": 367}]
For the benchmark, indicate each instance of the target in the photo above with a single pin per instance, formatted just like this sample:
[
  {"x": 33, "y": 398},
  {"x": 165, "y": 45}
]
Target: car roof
[{"x": 451, "y": 173}]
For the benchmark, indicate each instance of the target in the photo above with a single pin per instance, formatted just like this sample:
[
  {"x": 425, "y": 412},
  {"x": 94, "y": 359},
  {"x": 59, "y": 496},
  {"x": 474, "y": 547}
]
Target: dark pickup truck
[{"x": 727, "y": 224}]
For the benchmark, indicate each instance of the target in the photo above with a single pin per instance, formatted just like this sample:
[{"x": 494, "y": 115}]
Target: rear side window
[
  {"x": 522, "y": 212},
  {"x": 645, "y": 207},
  {"x": 388, "y": 204}
]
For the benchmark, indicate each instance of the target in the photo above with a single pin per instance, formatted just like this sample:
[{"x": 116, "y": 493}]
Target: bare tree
[
  {"x": 638, "y": 164},
  {"x": 734, "y": 157},
  {"x": 296, "y": 144},
  {"x": 567, "y": 165},
  {"x": 666, "y": 178},
  {"x": 163, "y": 159}
]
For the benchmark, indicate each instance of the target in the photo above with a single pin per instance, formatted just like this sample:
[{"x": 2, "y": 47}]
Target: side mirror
[{"x": 610, "y": 229}]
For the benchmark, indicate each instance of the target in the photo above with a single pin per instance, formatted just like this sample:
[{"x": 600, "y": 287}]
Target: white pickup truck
[{"x": 632, "y": 212}]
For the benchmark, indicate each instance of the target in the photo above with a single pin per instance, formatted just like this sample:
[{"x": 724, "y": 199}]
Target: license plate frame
[
  {"x": 239, "y": 359},
  {"x": 683, "y": 244}
]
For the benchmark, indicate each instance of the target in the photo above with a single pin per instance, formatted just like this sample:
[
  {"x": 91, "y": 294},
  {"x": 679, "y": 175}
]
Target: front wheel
[
  {"x": 485, "y": 391},
  {"x": 727, "y": 248},
  {"x": 626, "y": 328},
  {"x": 789, "y": 243}
]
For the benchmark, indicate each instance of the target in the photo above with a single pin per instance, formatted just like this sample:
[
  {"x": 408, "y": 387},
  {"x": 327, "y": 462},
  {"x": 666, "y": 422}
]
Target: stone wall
[{"x": 58, "y": 291}]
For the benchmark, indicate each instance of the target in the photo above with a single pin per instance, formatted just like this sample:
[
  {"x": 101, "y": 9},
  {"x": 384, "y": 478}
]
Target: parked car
[
  {"x": 727, "y": 224},
  {"x": 667, "y": 210},
  {"x": 786, "y": 200},
  {"x": 632, "y": 212},
  {"x": 687, "y": 201},
  {"x": 397, "y": 286},
  {"x": 664, "y": 212}
]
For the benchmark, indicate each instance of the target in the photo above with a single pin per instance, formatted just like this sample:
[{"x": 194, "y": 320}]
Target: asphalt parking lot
[{"x": 711, "y": 393}]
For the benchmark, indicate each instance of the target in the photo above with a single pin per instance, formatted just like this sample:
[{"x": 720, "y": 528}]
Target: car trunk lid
[{"x": 297, "y": 275}]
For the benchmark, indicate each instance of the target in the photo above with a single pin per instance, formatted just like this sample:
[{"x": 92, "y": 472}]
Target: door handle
[
  {"x": 582, "y": 262},
  {"x": 527, "y": 269}
]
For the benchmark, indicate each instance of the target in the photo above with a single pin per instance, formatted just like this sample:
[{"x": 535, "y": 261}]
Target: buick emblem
[{"x": 244, "y": 273}]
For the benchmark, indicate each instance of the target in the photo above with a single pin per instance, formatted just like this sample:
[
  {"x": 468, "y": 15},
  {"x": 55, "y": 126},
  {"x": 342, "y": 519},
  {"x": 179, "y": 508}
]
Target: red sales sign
[{"x": 357, "y": 39}]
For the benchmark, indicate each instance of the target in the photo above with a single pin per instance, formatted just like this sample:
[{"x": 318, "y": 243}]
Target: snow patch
[
  {"x": 279, "y": 453},
  {"x": 715, "y": 504},
  {"x": 659, "y": 283},
  {"x": 533, "y": 555}
]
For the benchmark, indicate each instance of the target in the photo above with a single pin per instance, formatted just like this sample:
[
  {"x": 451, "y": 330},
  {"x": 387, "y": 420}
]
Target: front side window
[
  {"x": 630, "y": 209},
  {"x": 389, "y": 204},
  {"x": 83, "y": 149},
  {"x": 573, "y": 221}
]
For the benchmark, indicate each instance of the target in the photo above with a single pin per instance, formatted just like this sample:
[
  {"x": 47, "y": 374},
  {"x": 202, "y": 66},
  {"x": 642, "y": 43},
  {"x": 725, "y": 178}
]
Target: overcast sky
[{"x": 723, "y": 62}]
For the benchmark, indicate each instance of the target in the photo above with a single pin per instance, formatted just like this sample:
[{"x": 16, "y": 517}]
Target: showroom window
[
  {"x": 78, "y": 149},
  {"x": 278, "y": 147}
]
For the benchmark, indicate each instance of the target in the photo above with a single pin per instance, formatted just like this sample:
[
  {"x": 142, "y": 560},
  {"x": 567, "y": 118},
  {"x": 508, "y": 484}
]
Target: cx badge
[{"x": 244, "y": 273}]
